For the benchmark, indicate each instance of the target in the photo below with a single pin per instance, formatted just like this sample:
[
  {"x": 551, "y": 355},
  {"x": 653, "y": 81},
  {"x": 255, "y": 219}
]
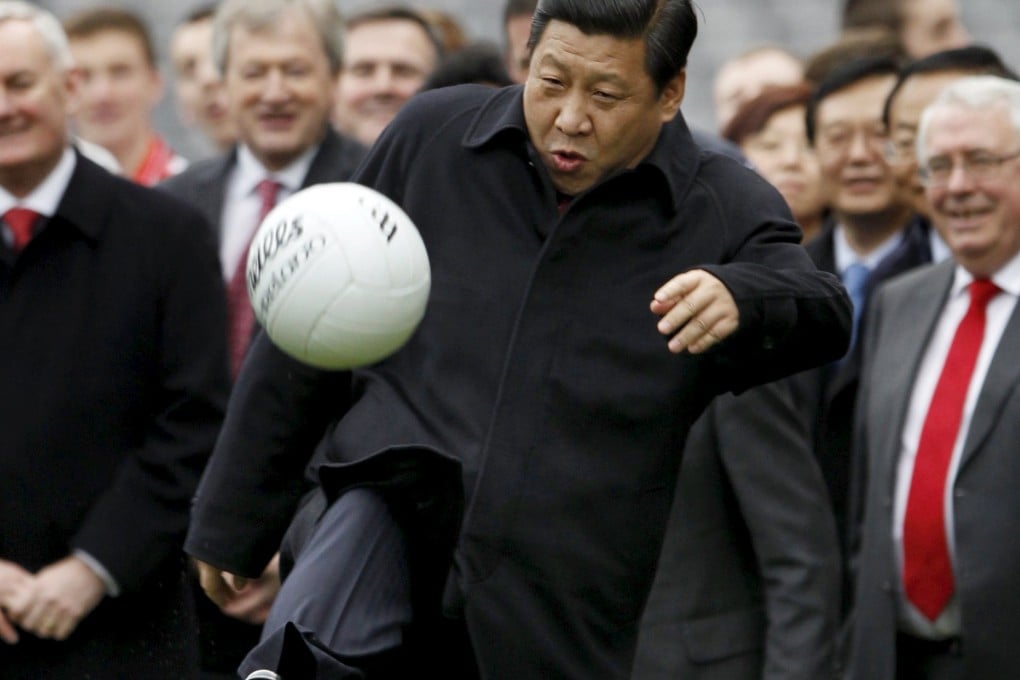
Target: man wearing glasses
[
  {"x": 938, "y": 589},
  {"x": 872, "y": 235}
]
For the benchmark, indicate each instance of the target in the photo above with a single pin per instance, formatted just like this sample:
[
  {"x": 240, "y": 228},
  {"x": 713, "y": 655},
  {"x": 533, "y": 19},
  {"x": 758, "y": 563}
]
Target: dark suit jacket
[
  {"x": 203, "y": 184},
  {"x": 986, "y": 505},
  {"x": 748, "y": 581},
  {"x": 113, "y": 386},
  {"x": 225, "y": 640},
  {"x": 828, "y": 392}
]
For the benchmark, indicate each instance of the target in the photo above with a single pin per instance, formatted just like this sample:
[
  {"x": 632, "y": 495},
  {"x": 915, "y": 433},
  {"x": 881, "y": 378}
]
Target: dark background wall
[{"x": 727, "y": 28}]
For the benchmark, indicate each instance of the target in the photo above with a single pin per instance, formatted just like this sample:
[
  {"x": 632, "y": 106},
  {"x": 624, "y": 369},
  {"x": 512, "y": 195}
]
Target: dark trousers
[
  {"x": 918, "y": 659},
  {"x": 348, "y": 591}
]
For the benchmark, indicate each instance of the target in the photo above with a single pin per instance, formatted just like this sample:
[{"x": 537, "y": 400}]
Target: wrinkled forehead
[{"x": 958, "y": 127}]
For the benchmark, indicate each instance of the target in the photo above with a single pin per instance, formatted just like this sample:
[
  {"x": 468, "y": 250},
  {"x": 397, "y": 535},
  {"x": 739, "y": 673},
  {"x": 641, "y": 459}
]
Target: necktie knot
[
  {"x": 21, "y": 222},
  {"x": 982, "y": 291},
  {"x": 855, "y": 278}
]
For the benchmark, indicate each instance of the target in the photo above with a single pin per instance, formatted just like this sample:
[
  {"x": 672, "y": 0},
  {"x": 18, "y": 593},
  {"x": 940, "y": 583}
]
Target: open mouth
[
  {"x": 567, "y": 161},
  {"x": 276, "y": 121}
]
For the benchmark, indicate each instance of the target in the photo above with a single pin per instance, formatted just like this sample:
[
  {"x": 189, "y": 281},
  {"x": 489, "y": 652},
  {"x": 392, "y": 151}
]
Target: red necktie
[
  {"x": 22, "y": 222},
  {"x": 927, "y": 569},
  {"x": 240, "y": 315}
]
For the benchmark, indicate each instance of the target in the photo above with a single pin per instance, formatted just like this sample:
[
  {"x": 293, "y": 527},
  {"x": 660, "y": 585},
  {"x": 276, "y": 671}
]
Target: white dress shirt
[
  {"x": 45, "y": 198},
  {"x": 999, "y": 310},
  {"x": 845, "y": 256},
  {"x": 242, "y": 204}
]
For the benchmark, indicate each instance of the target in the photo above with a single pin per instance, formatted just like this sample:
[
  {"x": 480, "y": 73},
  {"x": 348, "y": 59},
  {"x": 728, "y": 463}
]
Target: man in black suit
[
  {"x": 871, "y": 236},
  {"x": 279, "y": 61},
  {"x": 112, "y": 388}
]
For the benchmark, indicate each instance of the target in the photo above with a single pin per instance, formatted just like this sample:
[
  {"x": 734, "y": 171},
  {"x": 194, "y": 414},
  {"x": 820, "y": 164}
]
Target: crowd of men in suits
[{"x": 850, "y": 519}]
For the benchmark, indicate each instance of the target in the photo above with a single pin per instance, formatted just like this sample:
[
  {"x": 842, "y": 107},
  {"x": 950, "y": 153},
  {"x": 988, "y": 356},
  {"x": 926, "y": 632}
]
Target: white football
[{"x": 338, "y": 276}]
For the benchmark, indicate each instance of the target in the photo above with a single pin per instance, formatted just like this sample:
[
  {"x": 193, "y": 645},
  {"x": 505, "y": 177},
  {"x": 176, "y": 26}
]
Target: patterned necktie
[
  {"x": 927, "y": 567},
  {"x": 21, "y": 222},
  {"x": 240, "y": 315}
]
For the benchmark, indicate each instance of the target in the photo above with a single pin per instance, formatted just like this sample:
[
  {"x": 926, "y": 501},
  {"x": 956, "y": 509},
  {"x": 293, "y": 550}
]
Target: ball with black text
[{"x": 338, "y": 276}]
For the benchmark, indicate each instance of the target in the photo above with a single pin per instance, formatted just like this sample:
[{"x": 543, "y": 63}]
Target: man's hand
[
  {"x": 13, "y": 578},
  {"x": 215, "y": 583},
  {"x": 251, "y": 602},
  {"x": 697, "y": 310},
  {"x": 54, "y": 601}
]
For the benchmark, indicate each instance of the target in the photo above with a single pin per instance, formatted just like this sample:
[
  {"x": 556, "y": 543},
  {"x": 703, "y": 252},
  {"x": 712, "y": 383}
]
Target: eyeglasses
[
  {"x": 899, "y": 150},
  {"x": 838, "y": 139},
  {"x": 978, "y": 165}
]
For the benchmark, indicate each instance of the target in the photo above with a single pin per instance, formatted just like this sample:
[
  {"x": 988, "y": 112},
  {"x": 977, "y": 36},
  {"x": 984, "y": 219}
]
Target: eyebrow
[{"x": 599, "y": 77}]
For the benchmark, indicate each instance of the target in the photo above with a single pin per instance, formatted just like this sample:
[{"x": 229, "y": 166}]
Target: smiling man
[
  {"x": 387, "y": 56},
  {"x": 112, "y": 382},
  {"x": 938, "y": 591},
  {"x": 278, "y": 60},
  {"x": 872, "y": 235},
  {"x": 597, "y": 279},
  {"x": 120, "y": 89}
]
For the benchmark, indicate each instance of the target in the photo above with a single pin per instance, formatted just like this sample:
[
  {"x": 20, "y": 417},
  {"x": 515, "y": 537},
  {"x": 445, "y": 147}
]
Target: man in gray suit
[
  {"x": 938, "y": 422},
  {"x": 279, "y": 60},
  {"x": 748, "y": 583}
]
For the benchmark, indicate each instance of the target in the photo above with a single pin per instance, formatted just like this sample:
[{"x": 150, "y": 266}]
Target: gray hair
[
  {"x": 49, "y": 29},
  {"x": 972, "y": 92},
  {"x": 259, "y": 14}
]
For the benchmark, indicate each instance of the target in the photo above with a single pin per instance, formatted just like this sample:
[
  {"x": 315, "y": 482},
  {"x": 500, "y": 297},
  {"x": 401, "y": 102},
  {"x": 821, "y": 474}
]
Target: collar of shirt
[
  {"x": 846, "y": 256},
  {"x": 675, "y": 157},
  {"x": 249, "y": 172},
  {"x": 1007, "y": 278},
  {"x": 45, "y": 198}
]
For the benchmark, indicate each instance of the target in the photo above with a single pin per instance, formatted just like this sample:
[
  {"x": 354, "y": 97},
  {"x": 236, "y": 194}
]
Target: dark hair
[
  {"x": 199, "y": 14},
  {"x": 861, "y": 13},
  {"x": 754, "y": 115},
  {"x": 478, "y": 62},
  {"x": 668, "y": 28},
  {"x": 518, "y": 8},
  {"x": 975, "y": 60},
  {"x": 854, "y": 44},
  {"x": 843, "y": 77},
  {"x": 397, "y": 13},
  {"x": 92, "y": 22}
]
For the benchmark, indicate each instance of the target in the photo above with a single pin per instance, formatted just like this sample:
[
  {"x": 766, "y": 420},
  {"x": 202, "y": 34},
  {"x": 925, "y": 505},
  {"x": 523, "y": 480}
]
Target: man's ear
[
  {"x": 72, "y": 90},
  {"x": 672, "y": 96}
]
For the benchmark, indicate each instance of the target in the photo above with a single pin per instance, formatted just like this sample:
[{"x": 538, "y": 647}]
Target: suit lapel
[
  {"x": 1001, "y": 380},
  {"x": 909, "y": 328},
  {"x": 211, "y": 201},
  {"x": 335, "y": 161}
]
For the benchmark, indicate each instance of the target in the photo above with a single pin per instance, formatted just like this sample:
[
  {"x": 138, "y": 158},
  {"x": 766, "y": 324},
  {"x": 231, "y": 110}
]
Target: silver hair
[
  {"x": 972, "y": 92},
  {"x": 46, "y": 24},
  {"x": 260, "y": 14}
]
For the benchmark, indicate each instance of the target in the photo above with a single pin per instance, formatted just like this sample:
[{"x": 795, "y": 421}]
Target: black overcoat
[
  {"x": 538, "y": 368},
  {"x": 113, "y": 383}
]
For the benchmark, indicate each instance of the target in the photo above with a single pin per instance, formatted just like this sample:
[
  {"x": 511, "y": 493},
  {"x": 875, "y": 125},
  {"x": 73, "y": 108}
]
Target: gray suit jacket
[
  {"x": 204, "y": 184},
  {"x": 748, "y": 580},
  {"x": 986, "y": 503}
]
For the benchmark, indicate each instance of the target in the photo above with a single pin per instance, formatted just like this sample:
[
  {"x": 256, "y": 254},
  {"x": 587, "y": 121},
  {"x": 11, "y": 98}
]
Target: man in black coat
[
  {"x": 112, "y": 389},
  {"x": 561, "y": 359},
  {"x": 282, "y": 119}
]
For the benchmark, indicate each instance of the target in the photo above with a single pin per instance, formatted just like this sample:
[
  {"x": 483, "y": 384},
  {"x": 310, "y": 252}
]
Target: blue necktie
[{"x": 855, "y": 278}]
